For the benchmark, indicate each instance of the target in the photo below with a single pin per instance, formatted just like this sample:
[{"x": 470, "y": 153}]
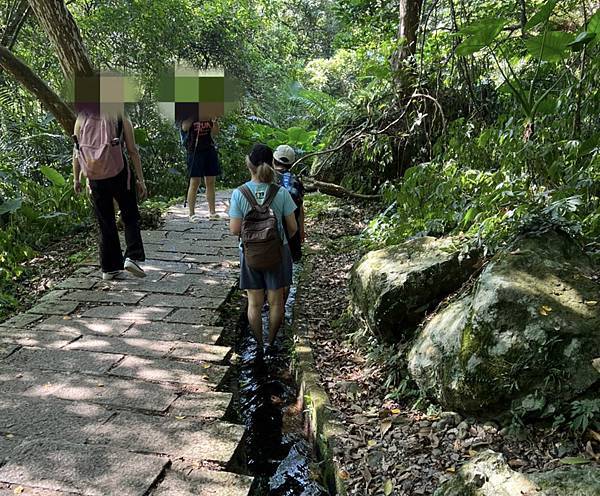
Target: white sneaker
[
  {"x": 134, "y": 268},
  {"x": 107, "y": 276}
]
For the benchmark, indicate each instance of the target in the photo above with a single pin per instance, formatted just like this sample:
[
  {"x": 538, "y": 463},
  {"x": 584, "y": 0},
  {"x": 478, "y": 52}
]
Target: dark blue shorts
[
  {"x": 281, "y": 277},
  {"x": 203, "y": 163}
]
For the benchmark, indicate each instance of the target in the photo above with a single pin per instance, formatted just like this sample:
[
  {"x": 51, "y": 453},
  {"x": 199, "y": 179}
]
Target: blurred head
[{"x": 259, "y": 162}]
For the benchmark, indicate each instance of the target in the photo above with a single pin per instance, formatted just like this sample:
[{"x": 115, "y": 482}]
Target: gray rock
[
  {"x": 204, "y": 483},
  {"x": 392, "y": 288},
  {"x": 524, "y": 338},
  {"x": 488, "y": 474}
]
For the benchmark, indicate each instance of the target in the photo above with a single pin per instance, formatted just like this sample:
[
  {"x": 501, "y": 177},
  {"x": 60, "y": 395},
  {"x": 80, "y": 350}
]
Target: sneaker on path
[
  {"x": 134, "y": 268},
  {"x": 107, "y": 276}
]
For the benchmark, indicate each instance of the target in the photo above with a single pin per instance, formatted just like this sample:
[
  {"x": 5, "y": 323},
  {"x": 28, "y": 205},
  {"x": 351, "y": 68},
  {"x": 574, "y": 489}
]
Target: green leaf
[
  {"x": 574, "y": 460},
  {"x": 10, "y": 206},
  {"x": 541, "y": 15},
  {"x": 594, "y": 23},
  {"x": 469, "y": 216},
  {"x": 551, "y": 46},
  {"x": 53, "y": 175},
  {"x": 582, "y": 39},
  {"x": 298, "y": 135},
  {"x": 141, "y": 136},
  {"x": 479, "y": 35},
  {"x": 388, "y": 487}
]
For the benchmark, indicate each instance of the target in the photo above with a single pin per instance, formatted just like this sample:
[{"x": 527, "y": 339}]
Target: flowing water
[{"x": 277, "y": 453}]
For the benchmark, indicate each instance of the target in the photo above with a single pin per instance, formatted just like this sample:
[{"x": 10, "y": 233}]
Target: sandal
[{"x": 195, "y": 218}]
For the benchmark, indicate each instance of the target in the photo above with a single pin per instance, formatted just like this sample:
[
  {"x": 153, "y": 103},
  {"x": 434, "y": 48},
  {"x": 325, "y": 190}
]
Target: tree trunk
[
  {"x": 15, "y": 22},
  {"x": 410, "y": 13},
  {"x": 58, "y": 23},
  {"x": 336, "y": 190},
  {"x": 51, "y": 101},
  {"x": 522, "y": 16}
]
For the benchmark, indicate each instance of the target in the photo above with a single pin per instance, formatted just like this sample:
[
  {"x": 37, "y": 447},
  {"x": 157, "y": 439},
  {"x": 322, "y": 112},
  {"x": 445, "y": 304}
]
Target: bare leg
[
  {"x": 256, "y": 298},
  {"x": 209, "y": 181},
  {"x": 192, "y": 193},
  {"x": 276, "y": 311}
]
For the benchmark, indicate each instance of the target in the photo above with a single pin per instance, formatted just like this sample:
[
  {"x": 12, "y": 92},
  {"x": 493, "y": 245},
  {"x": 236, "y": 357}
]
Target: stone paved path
[{"x": 113, "y": 387}]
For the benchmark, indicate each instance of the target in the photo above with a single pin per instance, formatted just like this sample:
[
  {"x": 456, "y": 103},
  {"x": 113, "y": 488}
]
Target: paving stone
[
  {"x": 199, "y": 352},
  {"x": 12, "y": 489},
  {"x": 91, "y": 470},
  {"x": 177, "y": 301},
  {"x": 40, "y": 339},
  {"x": 53, "y": 296},
  {"x": 203, "y": 235},
  {"x": 205, "y": 375},
  {"x": 175, "y": 332},
  {"x": 106, "y": 327},
  {"x": 189, "y": 316},
  {"x": 7, "y": 349},
  {"x": 203, "y": 259},
  {"x": 37, "y": 418},
  {"x": 176, "y": 226},
  {"x": 126, "y": 297},
  {"x": 77, "y": 283},
  {"x": 22, "y": 320},
  {"x": 164, "y": 255},
  {"x": 126, "y": 346},
  {"x": 6, "y": 446},
  {"x": 55, "y": 308},
  {"x": 62, "y": 360},
  {"x": 149, "y": 286},
  {"x": 204, "y": 483},
  {"x": 186, "y": 438},
  {"x": 30, "y": 383},
  {"x": 164, "y": 266},
  {"x": 189, "y": 248},
  {"x": 146, "y": 314},
  {"x": 201, "y": 405}
]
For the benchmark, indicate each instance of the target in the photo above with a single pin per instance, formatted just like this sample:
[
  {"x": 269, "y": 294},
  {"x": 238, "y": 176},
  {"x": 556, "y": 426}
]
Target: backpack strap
[
  {"x": 120, "y": 129},
  {"x": 245, "y": 190}
]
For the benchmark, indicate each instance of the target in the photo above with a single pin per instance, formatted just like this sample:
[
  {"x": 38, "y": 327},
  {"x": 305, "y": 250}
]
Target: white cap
[{"x": 284, "y": 154}]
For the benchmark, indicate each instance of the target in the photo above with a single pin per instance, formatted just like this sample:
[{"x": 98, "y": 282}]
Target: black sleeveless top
[{"x": 199, "y": 137}]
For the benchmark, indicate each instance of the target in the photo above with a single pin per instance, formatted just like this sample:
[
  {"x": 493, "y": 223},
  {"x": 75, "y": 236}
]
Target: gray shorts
[{"x": 281, "y": 277}]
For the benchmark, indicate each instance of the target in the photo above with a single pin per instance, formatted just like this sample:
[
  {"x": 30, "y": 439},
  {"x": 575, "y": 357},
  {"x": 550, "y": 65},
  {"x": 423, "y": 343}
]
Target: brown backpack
[{"x": 259, "y": 234}]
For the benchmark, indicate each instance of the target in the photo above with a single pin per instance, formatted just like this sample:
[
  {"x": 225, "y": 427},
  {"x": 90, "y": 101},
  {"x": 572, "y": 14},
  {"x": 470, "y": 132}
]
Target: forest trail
[{"x": 113, "y": 387}]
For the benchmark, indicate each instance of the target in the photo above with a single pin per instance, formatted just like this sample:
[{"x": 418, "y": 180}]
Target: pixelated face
[{"x": 104, "y": 93}]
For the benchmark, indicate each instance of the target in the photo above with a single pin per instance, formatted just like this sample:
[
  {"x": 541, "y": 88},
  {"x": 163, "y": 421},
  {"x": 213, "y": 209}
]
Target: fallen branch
[{"x": 312, "y": 185}]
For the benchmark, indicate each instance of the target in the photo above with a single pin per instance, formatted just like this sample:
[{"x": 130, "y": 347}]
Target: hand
[
  {"x": 141, "y": 189},
  {"x": 77, "y": 186}
]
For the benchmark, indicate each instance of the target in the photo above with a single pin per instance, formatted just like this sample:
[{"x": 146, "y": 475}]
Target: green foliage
[{"x": 584, "y": 414}]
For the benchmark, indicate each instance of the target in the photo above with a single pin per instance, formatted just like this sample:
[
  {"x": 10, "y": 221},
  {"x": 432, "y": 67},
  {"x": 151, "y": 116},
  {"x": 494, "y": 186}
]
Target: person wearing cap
[
  {"x": 284, "y": 157},
  {"x": 273, "y": 281}
]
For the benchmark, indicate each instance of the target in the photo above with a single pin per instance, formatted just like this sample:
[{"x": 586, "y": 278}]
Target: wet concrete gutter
[{"x": 322, "y": 429}]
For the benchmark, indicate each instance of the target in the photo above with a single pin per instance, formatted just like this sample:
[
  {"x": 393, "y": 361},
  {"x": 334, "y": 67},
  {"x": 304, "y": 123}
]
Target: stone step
[
  {"x": 203, "y": 483},
  {"x": 39, "y": 339},
  {"x": 175, "y": 332},
  {"x": 84, "y": 326},
  {"x": 81, "y": 469},
  {"x": 176, "y": 437},
  {"x": 128, "y": 312}
]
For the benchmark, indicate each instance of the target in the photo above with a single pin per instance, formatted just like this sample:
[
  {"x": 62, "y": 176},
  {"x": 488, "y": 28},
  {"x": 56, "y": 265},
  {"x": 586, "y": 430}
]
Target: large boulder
[
  {"x": 525, "y": 337},
  {"x": 392, "y": 288},
  {"x": 488, "y": 474}
]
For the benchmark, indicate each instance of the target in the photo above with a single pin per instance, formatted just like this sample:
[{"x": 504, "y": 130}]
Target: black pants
[{"x": 103, "y": 192}]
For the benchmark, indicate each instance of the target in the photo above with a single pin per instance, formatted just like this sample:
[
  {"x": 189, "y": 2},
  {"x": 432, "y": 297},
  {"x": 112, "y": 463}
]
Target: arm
[
  {"x": 235, "y": 226},
  {"x": 186, "y": 125},
  {"x": 76, "y": 164},
  {"x": 215, "y": 127},
  {"x": 134, "y": 154},
  {"x": 291, "y": 224}
]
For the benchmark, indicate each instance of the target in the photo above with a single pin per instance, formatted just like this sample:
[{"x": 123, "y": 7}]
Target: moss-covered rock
[
  {"x": 487, "y": 474},
  {"x": 392, "y": 288},
  {"x": 524, "y": 338}
]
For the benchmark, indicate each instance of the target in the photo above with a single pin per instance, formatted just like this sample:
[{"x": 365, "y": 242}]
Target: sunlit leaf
[
  {"x": 550, "y": 46},
  {"x": 582, "y": 39},
  {"x": 479, "y": 35},
  {"x": 53, "y": 175},
  {"x": 594, "y": 23},
  {"x": 388, "y": 487},
  {"x": 541, "y": 15},
  {"x": 574, "y": 460}
]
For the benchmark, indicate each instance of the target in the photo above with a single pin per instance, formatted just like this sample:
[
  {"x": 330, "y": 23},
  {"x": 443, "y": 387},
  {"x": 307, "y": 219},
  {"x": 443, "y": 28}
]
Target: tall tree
[
  {"x": 59, "y": 25},
  {"x": 408, "y": 26}
]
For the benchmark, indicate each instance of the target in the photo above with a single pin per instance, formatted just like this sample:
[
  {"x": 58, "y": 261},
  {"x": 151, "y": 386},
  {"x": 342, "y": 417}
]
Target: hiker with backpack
[
  {"x": 202, "y": 162},
  {"x": 258, "y": 211},
  {"x": 99, "y": 155},
  {"x": 284, "y": 157}
]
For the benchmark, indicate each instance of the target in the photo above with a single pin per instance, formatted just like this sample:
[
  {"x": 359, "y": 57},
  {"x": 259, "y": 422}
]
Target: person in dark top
[{"x": 202, "y": 162}]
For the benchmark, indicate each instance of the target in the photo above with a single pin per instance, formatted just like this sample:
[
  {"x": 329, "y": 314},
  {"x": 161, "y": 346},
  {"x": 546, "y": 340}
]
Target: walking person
[
  {"x": 258, "y": 210},
  {"x": 202, "y": 162},
  {"x": 99, "y": 155}
]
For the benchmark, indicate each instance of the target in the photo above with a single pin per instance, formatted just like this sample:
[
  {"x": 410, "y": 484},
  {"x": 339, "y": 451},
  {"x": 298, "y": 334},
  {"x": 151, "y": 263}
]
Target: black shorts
[{"x": 203, "y": 163}]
